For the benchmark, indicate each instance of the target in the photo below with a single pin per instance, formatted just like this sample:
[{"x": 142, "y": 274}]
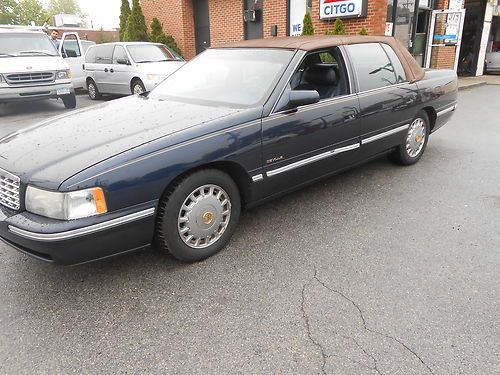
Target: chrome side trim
[
  {"x": 446, "y": 110},
  {"x": 48, "y": 237},
  {"x": 257, "y": 177},
  {"x": 311, "y": 159},
  {"x": 384, "y": 134}
]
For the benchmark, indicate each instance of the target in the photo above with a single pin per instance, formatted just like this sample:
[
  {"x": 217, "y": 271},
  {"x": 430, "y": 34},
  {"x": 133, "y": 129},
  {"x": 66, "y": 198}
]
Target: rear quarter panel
[{"x": 438, "y": 90}]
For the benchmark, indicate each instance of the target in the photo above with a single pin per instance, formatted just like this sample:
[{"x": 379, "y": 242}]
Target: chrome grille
[
  {"x": 28, "y": 78},
  {"x": 9, "y": 190}
]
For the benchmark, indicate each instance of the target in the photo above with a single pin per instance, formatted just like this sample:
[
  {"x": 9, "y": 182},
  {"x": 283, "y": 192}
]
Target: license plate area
[{"x": 63, "y": 91}]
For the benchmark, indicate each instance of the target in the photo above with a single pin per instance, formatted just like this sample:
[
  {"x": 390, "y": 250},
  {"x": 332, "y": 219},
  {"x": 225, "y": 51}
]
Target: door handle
[
  {"x": 111, "y": 70},
  {"x": 349, "y": 116},
  {"x": 105, "y": 70}
]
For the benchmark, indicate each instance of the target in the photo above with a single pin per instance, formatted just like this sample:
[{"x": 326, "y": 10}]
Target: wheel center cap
[
  {"x": 418, "y": 138},
  {"x": 208, "y": 217}
]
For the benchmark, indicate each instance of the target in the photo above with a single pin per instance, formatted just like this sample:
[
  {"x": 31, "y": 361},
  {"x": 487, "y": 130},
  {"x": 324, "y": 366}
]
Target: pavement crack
[
  {"x": 308, "y": 326},
  {"x": 406, "y": 347}
]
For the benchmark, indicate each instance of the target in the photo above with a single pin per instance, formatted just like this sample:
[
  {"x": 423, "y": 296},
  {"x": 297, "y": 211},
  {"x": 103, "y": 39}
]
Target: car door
[
  {"x": 313, "y": 140},
  {"x": 121, "y": 71},
  {"x": 103, "y": 63},
  {"x": 387, "y": 100},
  {"x": 70, "y": 48}
]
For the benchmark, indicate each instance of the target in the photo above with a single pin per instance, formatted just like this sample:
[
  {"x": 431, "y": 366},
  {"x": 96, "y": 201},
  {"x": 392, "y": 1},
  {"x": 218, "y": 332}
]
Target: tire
[
  {"x": 412, "y": 150},
  {"x": 69, "y": 100},
  {"x": 137, "y": 87},
  {"x": 93, "y": 91},
  {"x": 213, "y": 215}
]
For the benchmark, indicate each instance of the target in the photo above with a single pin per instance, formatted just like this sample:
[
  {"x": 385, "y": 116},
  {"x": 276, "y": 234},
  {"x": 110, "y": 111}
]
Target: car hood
[
  {"x": 160, "y": 68},
  {"x": 48, "y": 153},
  {"x": 28, "y": 64}
]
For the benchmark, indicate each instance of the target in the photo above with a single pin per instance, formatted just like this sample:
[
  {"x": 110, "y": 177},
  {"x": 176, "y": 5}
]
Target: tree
[
  {"x": 65, "y": 6},
  {"x": 28, "y": 11},
  {"x": 158, "y": 36},
  {"x": 338, "y": 27},
  {"x": 124, "y": 13},
  {"x": 363, "y": 31},
  {"x": 136, "y": 30},
  {"x": 308, "y": 28},
  {"x": 7, "y": 15}
]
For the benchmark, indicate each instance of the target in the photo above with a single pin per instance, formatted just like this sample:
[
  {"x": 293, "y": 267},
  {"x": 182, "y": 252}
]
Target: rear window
[{"x": 374, "y": 69}]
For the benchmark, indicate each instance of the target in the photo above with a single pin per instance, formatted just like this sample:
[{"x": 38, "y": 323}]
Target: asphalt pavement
[{"x": 381, "y": 270}]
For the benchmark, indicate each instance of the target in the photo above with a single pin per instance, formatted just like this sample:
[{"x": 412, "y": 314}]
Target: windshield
[
  {"x": 24, "y": 44},
  {"x": 240, "y": 78},
  {"x": 145, "y": 53}
]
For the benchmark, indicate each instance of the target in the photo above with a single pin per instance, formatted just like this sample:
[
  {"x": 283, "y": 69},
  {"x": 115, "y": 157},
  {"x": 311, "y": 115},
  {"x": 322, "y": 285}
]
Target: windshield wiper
[
  {"x": 42, "y": 52},
  {"x": 6, "y": 54}
]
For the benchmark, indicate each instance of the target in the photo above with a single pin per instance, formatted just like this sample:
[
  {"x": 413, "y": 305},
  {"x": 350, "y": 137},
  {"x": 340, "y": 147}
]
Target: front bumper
[
  {"x": 79, "y": 241},
  {"x": 36, "y": 92}
]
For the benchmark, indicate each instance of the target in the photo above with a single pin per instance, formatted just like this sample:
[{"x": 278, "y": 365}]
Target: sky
[{"x": 101, "y": 13}]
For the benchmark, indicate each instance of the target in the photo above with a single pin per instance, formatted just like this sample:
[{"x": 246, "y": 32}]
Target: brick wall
[
  {"x": 226, "y": 20},
  {"x": 177, "y": 19}
]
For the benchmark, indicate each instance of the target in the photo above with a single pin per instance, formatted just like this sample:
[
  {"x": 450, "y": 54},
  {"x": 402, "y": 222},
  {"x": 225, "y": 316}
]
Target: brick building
[{"x": 198, "y": 24}]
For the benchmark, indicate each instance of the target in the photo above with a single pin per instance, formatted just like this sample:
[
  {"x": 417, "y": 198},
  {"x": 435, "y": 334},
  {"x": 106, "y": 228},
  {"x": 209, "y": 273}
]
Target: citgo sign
[{"x": 341, "y": 8}]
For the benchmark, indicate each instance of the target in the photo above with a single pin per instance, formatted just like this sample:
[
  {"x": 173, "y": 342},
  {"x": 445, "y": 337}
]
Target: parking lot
[{"x": 381, "y": 270}]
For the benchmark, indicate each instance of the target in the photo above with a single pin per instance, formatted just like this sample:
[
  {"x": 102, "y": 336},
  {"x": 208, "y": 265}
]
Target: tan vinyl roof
[{"x": 413, "y": 70}]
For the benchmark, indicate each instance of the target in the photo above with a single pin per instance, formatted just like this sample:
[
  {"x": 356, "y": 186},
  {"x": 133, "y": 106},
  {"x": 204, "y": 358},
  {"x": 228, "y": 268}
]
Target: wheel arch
[
  {"x": 431, "y": 113},
  {"x": 235, "y": 170},
  {"x": 136, "y": 78}
]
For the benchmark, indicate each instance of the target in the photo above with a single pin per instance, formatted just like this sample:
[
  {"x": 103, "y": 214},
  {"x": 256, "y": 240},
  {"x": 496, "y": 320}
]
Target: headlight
[
  {"x": 155, "y": 77},
  {"x": 66, "y": 206},
  {"x": 63, "y": 74}
]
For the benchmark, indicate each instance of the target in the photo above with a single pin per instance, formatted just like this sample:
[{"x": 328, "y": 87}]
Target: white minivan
[
  {"x": 128, "y": 67},
  {"x": 31, "y": 68}
]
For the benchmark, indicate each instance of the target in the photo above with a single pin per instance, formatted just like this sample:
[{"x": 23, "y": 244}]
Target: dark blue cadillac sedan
[{"x": 232, "y": 128}]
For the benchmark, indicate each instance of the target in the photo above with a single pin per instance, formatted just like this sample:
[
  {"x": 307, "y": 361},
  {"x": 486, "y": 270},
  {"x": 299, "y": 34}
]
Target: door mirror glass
[
  {"x": 302, "y": 97},
  {"x": 123, "y": 61}
]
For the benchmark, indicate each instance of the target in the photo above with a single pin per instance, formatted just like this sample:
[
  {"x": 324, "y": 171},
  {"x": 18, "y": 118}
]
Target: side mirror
[
  {"x": 123, "y": 61},
  {"x": 302, "y": 97}
]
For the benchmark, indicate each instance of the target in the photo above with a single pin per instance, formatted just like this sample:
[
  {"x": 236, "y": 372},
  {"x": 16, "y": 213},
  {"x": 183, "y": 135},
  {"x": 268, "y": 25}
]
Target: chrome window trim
[
  {"x": 384, "y": 134},
  {"x": 308, "y": 107},
  {"x": 383, "y": 88},
  {"x": 48, "y": 237},
  {"x": 446, "y": 110},
  {"x": 311, "y": 159}
]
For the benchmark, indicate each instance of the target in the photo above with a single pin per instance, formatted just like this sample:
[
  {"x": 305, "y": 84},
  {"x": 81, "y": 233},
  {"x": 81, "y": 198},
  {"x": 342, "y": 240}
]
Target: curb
[{"x": 472, "y": 85}]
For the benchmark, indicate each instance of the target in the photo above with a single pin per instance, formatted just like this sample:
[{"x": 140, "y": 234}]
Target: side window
[
  {"x": 119, "y": 54},
  {"x": 396, "y": 63},
  {"x": 372, "y": 66},
  {"x": 104, "y": 53},
  {"x": 322, "y": 71},
  {"x": 70, "y": 46},
  {"x": 90, "y": 55}
]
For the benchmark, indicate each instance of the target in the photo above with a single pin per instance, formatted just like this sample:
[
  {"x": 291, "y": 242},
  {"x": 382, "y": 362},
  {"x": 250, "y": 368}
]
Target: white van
[
  {"x": 128, "y": 67},
  {"x": 32, "y": 69}
]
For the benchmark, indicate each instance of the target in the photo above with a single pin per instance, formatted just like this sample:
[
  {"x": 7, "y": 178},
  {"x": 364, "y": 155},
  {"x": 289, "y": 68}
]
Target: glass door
[{"x": 445, "y": 36}]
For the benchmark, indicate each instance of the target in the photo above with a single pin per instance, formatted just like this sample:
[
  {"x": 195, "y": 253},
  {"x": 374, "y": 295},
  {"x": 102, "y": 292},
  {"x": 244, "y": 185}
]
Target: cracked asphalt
[{"x": 381, "y": 270}]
